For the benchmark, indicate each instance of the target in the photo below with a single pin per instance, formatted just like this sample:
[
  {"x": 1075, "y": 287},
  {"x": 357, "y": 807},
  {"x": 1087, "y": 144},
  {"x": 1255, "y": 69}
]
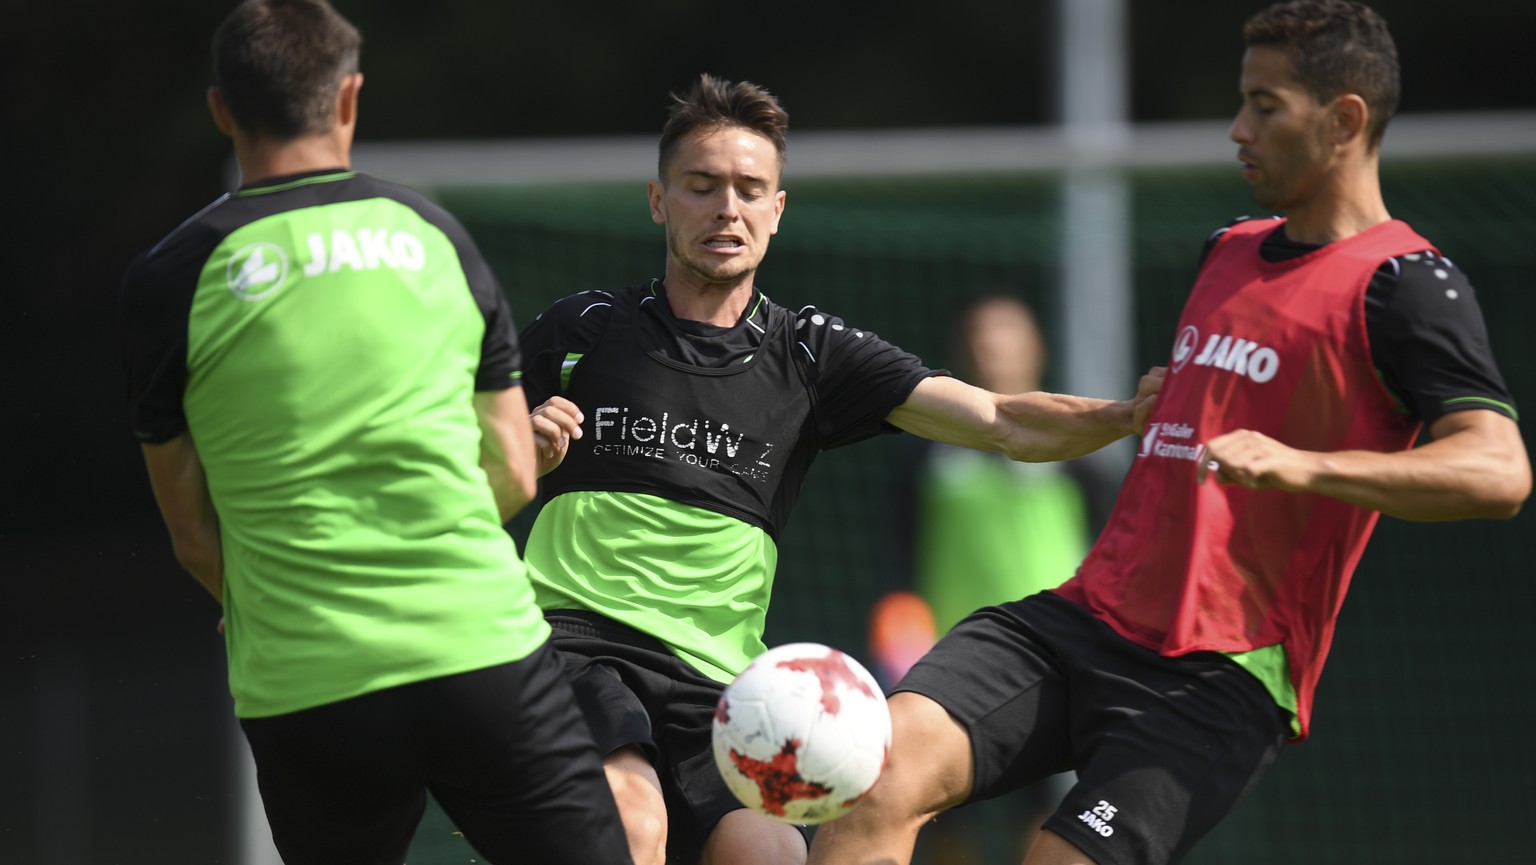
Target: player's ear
[
  {"x": 220, "y": 111},
  {"x": 779, "y": 200},
  {"x": 654, "y": 191},
  {"x": 1348, "y": 117},
  {"x": 346, "y": 99}
]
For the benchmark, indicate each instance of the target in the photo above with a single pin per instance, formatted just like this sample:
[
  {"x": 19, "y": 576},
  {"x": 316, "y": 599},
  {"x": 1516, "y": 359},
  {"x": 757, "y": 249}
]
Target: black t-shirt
[
  {"x": 1428, "y": 339},
  {"x": 856, "y": 379}
]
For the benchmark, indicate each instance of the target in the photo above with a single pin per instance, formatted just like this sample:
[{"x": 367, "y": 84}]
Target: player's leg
[
  {"x": 338, "y": 782},
  {"x": 1148, "y": 798},
  {"x": 983, "y": 713},
  {"x": 929, "y": 770},
  {"x": 745, "y": 837},
  {"x": 1155, "y": 781},
  {"x": 652, "y": 714},
  {"x": 513, "y": 763},
  {"x": 637, "y": 790},
  {"x": 612, "y": 672},
  {"x": 1164, "y": 747},
  {"x": 1052, "y": 849},
  {"x": 707, "y": 823}
]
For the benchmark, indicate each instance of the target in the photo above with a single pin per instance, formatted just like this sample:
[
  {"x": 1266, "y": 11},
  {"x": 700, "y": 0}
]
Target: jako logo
[
  {"x": 1233, "y": 354},
  {"x": 1099, "y": 817},
  {"x": 364, "y": 249},
  {"x": 1184, "y": 347},
  {"x": 256, "y": 270}
]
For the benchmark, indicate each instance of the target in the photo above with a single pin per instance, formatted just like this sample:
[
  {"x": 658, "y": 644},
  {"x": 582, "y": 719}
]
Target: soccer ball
[{"x": 802, "y": 734}]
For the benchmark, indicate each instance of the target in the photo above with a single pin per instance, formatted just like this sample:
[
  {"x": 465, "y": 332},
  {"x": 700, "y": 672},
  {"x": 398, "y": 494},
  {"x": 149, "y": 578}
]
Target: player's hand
[
  {"x": 556, "y": 423},
  {"x": 1146, "y": 397},
  {"x": 1256, "y": 461}
]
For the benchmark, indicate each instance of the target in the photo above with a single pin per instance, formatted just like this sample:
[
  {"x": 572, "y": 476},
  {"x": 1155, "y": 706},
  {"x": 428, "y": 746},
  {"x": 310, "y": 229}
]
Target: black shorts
[
  {"x": 634, "y": 691},
  {"x": 503, "y": 750},
  {"x": 1163, "y": 747}
]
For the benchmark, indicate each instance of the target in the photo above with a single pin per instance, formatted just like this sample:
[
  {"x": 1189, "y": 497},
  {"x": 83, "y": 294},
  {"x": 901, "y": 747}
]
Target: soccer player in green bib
[
  {"x": 323, "y": 373},
  {"x": 676, "y": 419}
]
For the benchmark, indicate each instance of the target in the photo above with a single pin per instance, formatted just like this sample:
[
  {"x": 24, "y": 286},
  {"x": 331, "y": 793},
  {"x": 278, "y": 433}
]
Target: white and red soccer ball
[{"x": 802, "y": 734}]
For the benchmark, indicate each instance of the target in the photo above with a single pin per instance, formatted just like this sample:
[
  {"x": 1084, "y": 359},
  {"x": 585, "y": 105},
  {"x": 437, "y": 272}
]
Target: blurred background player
[
  {"x": 676, "y": 420},
  {"x": 323, "y": 372},
  {"x": 985, "y": 530},
  {"x": 1173, "y": 668}
]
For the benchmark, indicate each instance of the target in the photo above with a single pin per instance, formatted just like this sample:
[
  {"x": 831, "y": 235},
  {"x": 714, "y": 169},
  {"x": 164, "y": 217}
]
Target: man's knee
[
  {"x": 744, "y": 837},
  {"x": 930, "y": 768}
]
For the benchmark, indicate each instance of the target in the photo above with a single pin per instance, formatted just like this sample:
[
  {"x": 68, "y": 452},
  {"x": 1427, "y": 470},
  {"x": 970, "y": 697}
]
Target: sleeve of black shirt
[
  {"x": 857, "y": 378},
  {"x": 570, "y": 326},
  {"x": 154, "y": 302},
  {"x": 1429, "y": 340}
]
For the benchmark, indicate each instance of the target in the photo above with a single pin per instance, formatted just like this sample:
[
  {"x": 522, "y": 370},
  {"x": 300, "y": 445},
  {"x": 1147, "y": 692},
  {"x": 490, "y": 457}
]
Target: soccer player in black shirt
[{"x": 676, "y": 420}]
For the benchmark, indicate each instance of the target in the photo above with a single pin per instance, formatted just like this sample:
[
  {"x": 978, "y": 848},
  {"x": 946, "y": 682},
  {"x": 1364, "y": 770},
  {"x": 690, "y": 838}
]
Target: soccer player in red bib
[{"x": 1174, "y": 667}]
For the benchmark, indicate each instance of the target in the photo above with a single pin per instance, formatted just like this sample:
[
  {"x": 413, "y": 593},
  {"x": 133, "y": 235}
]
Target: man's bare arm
[
  {"x": 181, "y": 489},
  {"x": 1032, "y": 427},
  {"x": 506, "y": 448},
  {"x": 1475, "y": 467}
]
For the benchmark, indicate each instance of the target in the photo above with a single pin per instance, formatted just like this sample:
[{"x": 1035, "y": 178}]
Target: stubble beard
[
  {"x": 1269, "y": 199},
  {"x": 1297, "y": 178},
  {"x": 721, "y": 278}
]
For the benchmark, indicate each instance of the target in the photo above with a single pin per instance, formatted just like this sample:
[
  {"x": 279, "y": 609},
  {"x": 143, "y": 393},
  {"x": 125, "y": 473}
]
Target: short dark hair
[
  {"x": 713, "y": 103},
  {"x": 280, "y": 63},
  {"x": 1335, "y": 47}
]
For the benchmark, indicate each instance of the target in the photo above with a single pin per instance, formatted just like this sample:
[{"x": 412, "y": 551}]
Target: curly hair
[{"x": 1335, "y": 47}]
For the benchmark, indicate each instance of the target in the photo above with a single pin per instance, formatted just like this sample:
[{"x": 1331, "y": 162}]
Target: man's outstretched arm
[{"x": 1032, "y": 427}]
